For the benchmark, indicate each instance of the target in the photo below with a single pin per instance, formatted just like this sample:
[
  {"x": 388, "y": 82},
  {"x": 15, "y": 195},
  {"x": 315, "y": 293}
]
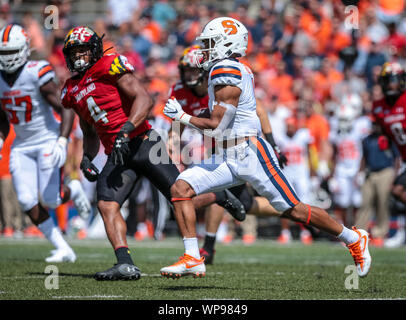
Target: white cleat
[
  {"x": 81, "y": 202},
  {"x": 62, "y": 255},
  {"x": 360, "y": 253},
  {"x": 397, "y": 240},
  {"x": 187, "y": 265}
]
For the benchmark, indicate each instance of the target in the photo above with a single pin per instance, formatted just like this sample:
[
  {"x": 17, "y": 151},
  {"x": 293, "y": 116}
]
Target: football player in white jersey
[
  {"x": 243, "y": 155},
  {"x": 28, "y": 98},
  {"x": 294, "y": 143},
  {"x": 347, "y": 142}
]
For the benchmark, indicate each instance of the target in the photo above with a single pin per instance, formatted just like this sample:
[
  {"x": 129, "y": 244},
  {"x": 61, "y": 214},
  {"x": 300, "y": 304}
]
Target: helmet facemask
[
  {"x": 80, "y": 57},
  {"x": 12, "y": 58}
]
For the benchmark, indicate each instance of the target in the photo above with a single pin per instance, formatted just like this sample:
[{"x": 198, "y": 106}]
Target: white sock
[
  {"x": 53, "y": 234},
  {"x": 348, "y": 236},
  {"x": 210, "y": 234},
  {"x": 75, "y": 188},
  {"x": 191, "y": 247},
  {"x": 401, "y": 221},
  {"x": 142, "y": 227}
]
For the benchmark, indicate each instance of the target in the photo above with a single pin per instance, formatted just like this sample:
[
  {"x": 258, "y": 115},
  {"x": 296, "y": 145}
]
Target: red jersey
[
  {"x": 96, "y": 99},
  {"x": 392, "y": 120},
  {"x": 190, "y": 103}
]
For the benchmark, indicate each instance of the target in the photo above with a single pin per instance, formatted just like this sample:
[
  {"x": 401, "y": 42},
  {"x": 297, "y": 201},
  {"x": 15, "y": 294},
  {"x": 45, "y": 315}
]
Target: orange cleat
[
  {"x": 8, "y": 232},
  {"x": 360, "y": 253},
  {"x": 186, "y": 265},
  {"x": 306, "y": 237},
  {"x": 248, "y": 239},
  {"x": 285, "y": 237},
  {"x": 377, "y": 242},
  {"x": 227, "y": 239}
]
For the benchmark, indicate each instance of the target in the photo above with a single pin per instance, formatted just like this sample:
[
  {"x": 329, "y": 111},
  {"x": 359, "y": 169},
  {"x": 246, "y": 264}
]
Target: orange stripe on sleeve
[
  {"x": 226, "y": 70},
  {"x": 44, "y": 70},
  {"x": 274, "y": 173}
]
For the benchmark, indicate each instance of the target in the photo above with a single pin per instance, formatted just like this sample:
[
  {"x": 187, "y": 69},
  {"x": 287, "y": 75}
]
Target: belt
[{"x": 233, "y": 142}]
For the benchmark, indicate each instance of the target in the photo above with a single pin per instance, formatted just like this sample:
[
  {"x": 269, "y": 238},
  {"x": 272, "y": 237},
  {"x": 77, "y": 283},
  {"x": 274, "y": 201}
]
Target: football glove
[
  {"x": 282, "y": 160},
  {"x": 89, "y": 170},
  {"x": 59, "y": 152},
  {"x": 121, "y": 149},
  {"x": 174, "y": 110}
]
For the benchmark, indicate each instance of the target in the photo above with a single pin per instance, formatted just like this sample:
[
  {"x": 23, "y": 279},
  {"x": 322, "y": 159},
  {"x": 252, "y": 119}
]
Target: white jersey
[
  {"x": 32, "y": 117},
  {"x": 295, "y": 149},
  {"x": 349, "y": 148},
  {"x": 245, "y": 121}
]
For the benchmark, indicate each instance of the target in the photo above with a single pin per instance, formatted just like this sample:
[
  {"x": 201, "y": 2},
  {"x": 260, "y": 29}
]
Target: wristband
[
  {"x": 1, "y": 143},
  {"x": 127, "y": 127},
  {"x": 185, "y": 119}
]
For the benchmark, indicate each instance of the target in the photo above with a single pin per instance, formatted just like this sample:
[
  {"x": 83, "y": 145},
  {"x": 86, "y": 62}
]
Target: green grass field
[{"x": 262, "y": 271}]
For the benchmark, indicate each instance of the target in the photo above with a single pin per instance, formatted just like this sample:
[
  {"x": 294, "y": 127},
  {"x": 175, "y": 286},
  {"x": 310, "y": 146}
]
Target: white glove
[
  {"x": 333, "y": 185},
  {"x": 323, "y": 171},
  {"x": 59, "y": 152},
  {"x": 174, "y": 110}
]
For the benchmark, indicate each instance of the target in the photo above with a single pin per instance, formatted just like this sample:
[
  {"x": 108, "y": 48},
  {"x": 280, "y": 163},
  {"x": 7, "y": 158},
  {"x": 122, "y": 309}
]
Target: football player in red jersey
[
  {"x": 113, "y": 107},
  {"x": 390, "y": 113}
]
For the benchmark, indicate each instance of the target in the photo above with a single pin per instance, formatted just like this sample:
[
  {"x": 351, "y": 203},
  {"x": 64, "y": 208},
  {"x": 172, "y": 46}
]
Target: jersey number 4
[
  {"x": 399, "y": 133},
  {"x": 95, "y": 111},
  {"x": 19, "y": 109}
]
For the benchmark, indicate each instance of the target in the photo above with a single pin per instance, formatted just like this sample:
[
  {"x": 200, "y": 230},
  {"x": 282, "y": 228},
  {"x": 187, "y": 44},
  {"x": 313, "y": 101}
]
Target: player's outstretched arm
[
  {"x": 133, "y": 89},
  {"x": 50, "y": 92}
]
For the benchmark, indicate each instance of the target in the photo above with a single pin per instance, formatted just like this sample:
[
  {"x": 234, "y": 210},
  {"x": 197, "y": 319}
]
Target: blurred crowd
[{"x": 309, "y": 58}]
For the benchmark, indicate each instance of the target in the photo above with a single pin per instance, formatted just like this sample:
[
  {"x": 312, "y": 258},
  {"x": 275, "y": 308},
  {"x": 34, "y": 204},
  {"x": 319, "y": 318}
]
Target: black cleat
[
  {"x": 233, "y": 205},
  {"x": 122, "y": 271}
]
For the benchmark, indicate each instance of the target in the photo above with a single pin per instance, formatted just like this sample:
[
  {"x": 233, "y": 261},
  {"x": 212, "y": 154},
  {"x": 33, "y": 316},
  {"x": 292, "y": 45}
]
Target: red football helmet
[
  {"x": 82, "y": 36},
  {"x": 190, "y": 74}
]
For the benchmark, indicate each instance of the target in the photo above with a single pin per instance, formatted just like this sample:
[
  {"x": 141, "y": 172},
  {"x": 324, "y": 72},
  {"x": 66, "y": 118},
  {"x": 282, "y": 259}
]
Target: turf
[{"x": 263, "y": 271}]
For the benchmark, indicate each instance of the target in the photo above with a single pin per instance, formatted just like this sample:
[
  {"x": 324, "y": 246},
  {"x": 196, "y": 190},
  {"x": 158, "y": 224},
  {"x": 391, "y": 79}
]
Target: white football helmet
[
  {"x": 353, "y": 100},
  {"x": 14, "y": 48},
  {"x": 346, "y": 115},
  {"x": 221, "y": 38}
]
